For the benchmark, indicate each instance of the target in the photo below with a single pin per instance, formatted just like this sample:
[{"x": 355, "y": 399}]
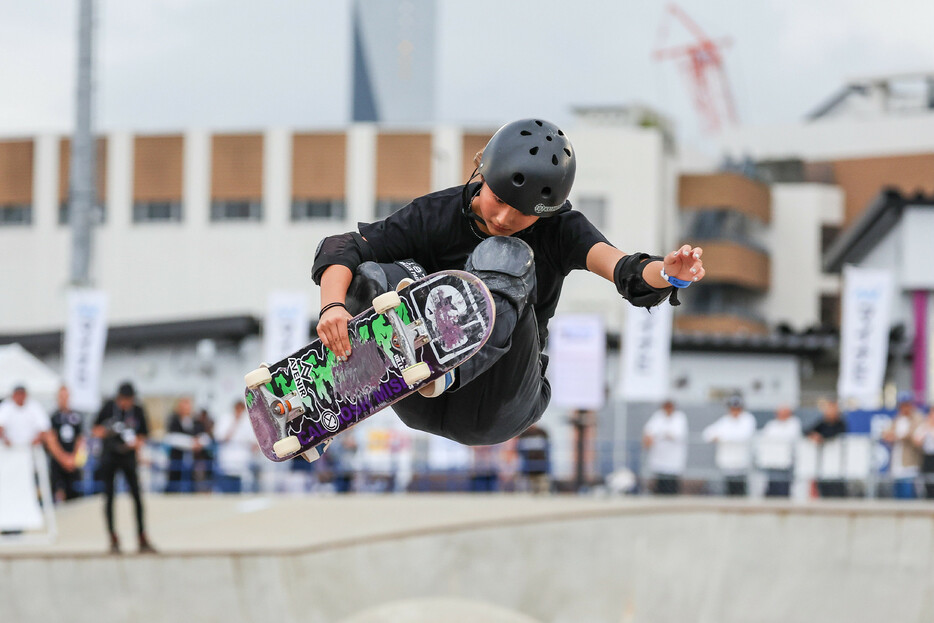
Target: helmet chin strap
[{"x": 468, "y": 201}]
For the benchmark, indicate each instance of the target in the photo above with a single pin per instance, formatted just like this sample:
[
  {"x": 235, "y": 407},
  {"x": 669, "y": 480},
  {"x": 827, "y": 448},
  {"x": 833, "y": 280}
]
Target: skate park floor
[{"x": 503, "y": 558}]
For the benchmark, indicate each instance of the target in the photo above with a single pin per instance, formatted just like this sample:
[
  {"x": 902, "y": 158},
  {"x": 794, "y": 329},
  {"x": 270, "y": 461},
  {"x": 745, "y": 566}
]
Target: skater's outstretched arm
[{"x": 684, "y": 264}]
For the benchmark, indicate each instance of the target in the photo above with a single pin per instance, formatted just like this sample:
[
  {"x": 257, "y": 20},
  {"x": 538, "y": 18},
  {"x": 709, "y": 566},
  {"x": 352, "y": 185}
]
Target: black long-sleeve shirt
[{"x": 434, "y": 231}]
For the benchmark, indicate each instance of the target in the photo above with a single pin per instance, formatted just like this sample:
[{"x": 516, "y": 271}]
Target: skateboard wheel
[
  {"x": 416, "y": 373},
  {"x": 259, "y": 376},
  {"x": 285, "y": 447},
  {"x": 384, "y": 302}
]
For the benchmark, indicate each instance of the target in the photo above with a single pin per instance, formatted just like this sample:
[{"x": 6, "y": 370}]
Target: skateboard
[{"x": 404, "y": 342}]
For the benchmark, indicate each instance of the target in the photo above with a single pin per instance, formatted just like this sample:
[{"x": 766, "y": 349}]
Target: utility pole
[{"x": 81, "y": 195}]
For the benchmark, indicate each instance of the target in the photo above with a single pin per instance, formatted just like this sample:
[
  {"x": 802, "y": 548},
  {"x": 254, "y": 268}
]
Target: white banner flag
[
  {"x": 647, "y": 353},
  {"x": 286, "y": 326},
  {"x": 19, "y": 506},
  {"x": 864, "y": 335},
  {"x": 85, "y": 339},
  {"x": 577, "y": 361}
]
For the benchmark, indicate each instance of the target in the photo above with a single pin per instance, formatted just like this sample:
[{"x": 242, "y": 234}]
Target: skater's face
[{"x": 500, "y": 218}]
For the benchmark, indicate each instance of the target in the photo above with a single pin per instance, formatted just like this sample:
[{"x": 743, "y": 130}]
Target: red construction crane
[{"x": 702, "y": 63}]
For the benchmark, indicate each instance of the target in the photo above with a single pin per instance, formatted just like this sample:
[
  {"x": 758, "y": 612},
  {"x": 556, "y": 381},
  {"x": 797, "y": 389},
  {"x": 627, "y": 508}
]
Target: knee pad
[{"x": 507, "y": 267}]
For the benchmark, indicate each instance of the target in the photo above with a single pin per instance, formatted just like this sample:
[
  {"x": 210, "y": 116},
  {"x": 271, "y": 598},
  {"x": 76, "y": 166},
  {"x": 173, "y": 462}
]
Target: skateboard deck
[{"x": 409, "y": 339}]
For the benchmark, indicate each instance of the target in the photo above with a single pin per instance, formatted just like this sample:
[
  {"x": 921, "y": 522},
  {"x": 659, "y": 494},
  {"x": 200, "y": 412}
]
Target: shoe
[
  {"x": 145, "y": 547},
  {"x": 439, "y": 386},
  {"x": 315, "y": 453},
  {"x": 114, "y": 544}
]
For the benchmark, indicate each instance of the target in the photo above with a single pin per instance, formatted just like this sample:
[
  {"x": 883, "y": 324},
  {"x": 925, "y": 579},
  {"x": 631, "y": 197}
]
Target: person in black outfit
[
  {"x": 515, "y": 229},
  {"x": 68, "y": 426},
  {"x": 830, "y": 426},
  {"x": 121, "y": 425}
]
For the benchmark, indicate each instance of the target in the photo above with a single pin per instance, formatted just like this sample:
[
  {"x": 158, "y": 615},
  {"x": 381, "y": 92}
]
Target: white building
[{"x": 198, "y": 228}]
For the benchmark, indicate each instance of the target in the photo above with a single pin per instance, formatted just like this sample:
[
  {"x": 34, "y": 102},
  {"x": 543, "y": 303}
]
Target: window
[
  {"x": 312, "y": 209},
  {"x": 157, "y": 211},
  {"x": 700, "y": 225},
  {"x": 828, "y": 235},
  {"x": 98, "y": 215},
  {"x": 385, "y": 207},
  {"x": 830, "y": 308},
  {"x": 240, "y": 210},
  {"x": 723, "y": 299},
  {"x": 594, "y": 208},
  {"x": 15, "y": 214}
]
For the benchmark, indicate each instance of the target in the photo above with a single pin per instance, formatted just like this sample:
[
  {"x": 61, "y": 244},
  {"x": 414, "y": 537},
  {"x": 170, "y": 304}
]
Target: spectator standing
[
  {"x": 342, "y": 463},
  {"x": 733, "y": 434},
  {"x": 185, "y": 438},
  {"x": 121, "y": 425},
  {"x": 204, "y": 458},
  {"x": 68, "y": 427},
  {"x": 924, "y": 438},
  {"x": 235, "y": 449},
  {"x": 665, "y": 437},
  {"x": 534, "y": 451},
  {"x": 777, "y": 443},
  {"x": 23, "y": 422},
  {"x": 484, "y": 473},
  {"x": 830, "y": 427},
  {"x": 906, "y": 454}
]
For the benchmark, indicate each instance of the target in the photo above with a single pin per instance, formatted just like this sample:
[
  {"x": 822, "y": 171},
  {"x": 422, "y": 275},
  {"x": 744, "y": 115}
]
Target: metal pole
[{"x": 81, "y": 183}]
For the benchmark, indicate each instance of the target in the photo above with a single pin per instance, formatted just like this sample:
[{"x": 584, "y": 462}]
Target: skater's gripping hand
[
  {"x": 332, "y": 331},
  {"x": 685, "y": 264}
]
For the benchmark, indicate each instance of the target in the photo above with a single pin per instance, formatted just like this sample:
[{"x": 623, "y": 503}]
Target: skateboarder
[{"x": 512, "y": 226}]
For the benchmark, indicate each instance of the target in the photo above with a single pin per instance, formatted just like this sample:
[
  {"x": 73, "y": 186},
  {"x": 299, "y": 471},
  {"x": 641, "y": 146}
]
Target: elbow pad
[
  {"x": 349, "y": 250},
  {"x": 632, "y": 286}
]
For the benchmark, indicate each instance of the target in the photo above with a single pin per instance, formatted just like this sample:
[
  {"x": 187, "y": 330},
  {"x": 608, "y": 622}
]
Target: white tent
[{"x": 19, "y": 367}]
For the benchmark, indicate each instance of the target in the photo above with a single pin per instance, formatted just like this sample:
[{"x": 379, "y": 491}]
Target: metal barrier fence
[{"x": 853, "y": 465}]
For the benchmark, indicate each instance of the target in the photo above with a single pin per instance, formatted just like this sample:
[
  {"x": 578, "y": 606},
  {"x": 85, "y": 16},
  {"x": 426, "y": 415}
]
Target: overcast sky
[{"x": 232, "y": 64}]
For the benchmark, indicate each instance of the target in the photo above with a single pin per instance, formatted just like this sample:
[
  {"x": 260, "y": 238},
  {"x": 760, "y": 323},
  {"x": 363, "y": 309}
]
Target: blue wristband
[{"x": 678, "y": 283}]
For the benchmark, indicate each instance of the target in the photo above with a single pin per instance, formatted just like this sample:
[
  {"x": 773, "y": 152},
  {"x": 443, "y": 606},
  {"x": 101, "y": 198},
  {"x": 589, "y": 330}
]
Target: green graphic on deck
[
  {"x": 321, "y": 373},
  {"x": 285, "y": 384}
]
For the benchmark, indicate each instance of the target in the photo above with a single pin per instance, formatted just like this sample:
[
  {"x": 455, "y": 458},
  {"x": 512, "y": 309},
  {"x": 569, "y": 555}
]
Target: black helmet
[{"x": 530, "y": 165}]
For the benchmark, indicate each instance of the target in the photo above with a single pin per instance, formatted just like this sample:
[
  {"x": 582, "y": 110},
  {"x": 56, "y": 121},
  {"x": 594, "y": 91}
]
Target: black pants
[
  {"x": 779, "y": 483},
  {"x": 831, "y": 488},
  {"x": 666, "y": 484},
  {"x": 125, "y": 462},
  {"x": 927, "y": 475},
  {"x": 735, "y": 485},
  {"x": 63, "y": 480},
  {"x": 504, "y": 398}
]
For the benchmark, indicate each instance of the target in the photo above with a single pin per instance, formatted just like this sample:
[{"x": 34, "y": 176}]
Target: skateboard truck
[
  {"x": 289, "y": 405},
  {"x": 414, "y": 336},
  {"x": 416, "y": 333}
]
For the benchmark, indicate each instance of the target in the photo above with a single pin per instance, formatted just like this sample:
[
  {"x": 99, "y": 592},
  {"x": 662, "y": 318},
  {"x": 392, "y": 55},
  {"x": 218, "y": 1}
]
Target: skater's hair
[{"x": 477, "y": 158}]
